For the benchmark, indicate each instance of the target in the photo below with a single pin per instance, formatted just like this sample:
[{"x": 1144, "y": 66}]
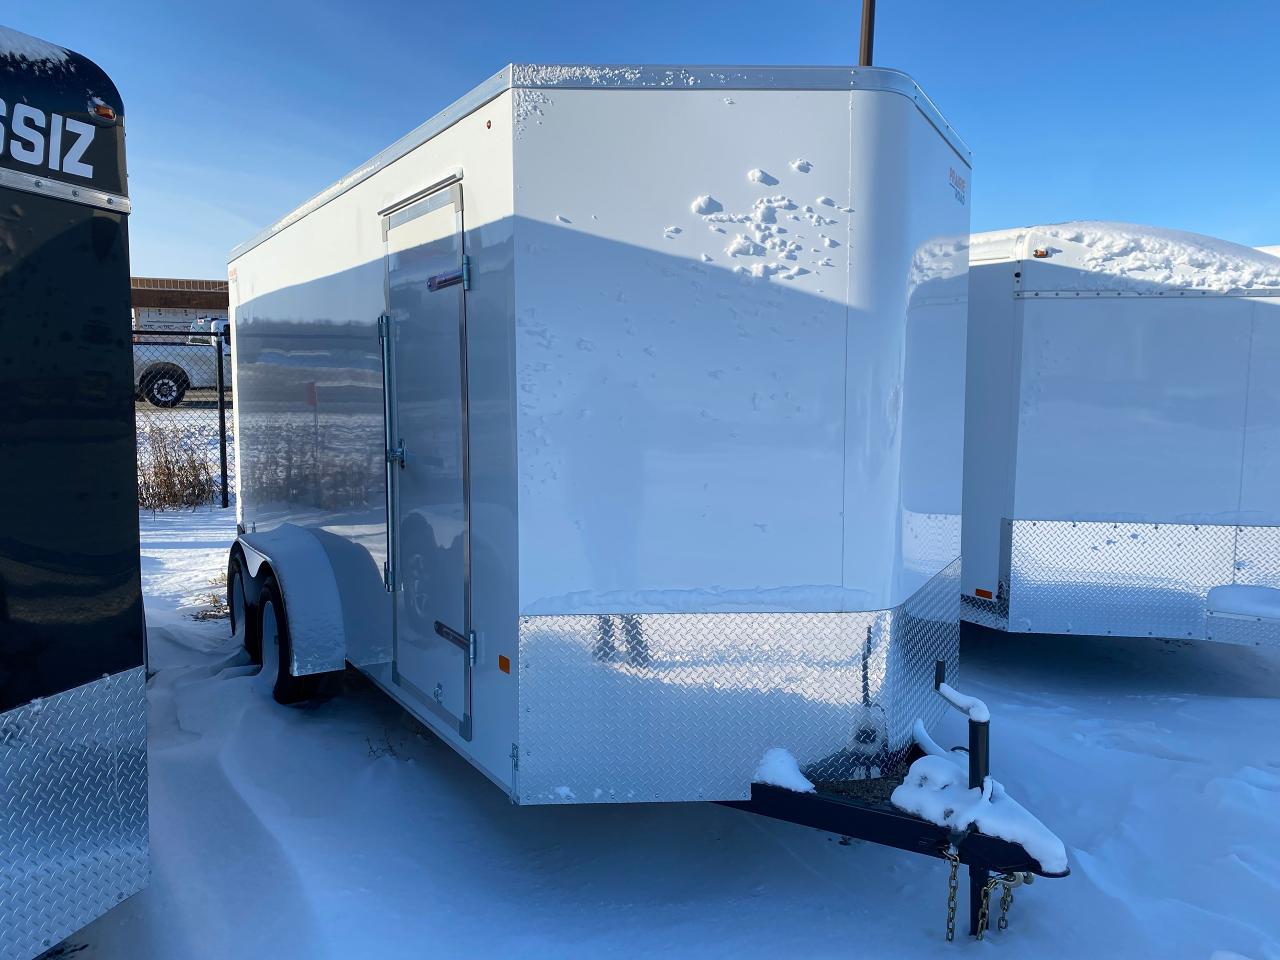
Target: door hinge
[
  {"x": 466, "y": 272},
  {"x": 471, "y": 648},
  {"x": 397, "y": 455},
  {"x": 386, "y": 576},
  {"x": 384, "y": 325}
]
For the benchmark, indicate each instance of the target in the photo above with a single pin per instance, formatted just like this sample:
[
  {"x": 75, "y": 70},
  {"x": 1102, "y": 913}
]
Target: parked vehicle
[
  {"x": 631, "y": 462},
  {"x": 204, "y": 327},
  {"x": 165, "y": 370},
  {"x": 1121, "y": 439},
  {"x": 73, "y": 729}
]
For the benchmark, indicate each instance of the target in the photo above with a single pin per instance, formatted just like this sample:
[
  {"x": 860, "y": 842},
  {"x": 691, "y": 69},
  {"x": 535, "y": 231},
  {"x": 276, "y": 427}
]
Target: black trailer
[{"x": 73, "y": 762}]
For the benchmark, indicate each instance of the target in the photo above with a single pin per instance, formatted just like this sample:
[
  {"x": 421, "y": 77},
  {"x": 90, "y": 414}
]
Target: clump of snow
[
  {"x": 974, "y": 708},
  {"x": 563, "y": 219},
  {"x": 801, "y": 166},
  {"x": 778, "y": 768},
  {"x": 572, "y": 74},
  {"x": 527, "y": 107},
  {"x": 825, "y": 202},
  {"x": 705, "y": 205},
  {"x": 1132, "y": 258},
  {"x": 37, "y": 52},
  {"x": 936, "y": 789},
  {"x": 672, "y": 232},
  {"x": 756, "y": 175},
  {"x": 744, "y": 246}
]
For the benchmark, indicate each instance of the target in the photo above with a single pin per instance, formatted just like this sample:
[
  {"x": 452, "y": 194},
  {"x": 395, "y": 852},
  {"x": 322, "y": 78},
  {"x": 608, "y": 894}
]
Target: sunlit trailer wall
[
  {"x": 669, "y": 396},
  {"x": 73, "y": 750},
  {"x": 1123, "y": 434}
]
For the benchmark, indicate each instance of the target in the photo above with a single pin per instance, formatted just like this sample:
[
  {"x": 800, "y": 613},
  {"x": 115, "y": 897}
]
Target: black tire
[
  {"x": 273, "y": 620},
  {"x": 241, "y": 610},
  {"x": 164, "y": 386}
]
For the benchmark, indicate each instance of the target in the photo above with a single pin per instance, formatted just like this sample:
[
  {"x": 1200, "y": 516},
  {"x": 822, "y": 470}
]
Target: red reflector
[
  {"x": 103, "y": 111},
  {"x": 984, "y": 594},
  {"x": 504, "y": 664}
]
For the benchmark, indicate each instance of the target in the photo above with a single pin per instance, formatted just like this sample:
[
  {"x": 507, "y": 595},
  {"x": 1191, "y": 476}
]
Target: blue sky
[{"x": 1126, "y": 110}]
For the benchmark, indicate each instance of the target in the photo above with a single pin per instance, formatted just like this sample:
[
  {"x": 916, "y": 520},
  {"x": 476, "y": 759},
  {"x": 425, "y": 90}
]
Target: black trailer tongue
[{"x": 864, "y": 810}]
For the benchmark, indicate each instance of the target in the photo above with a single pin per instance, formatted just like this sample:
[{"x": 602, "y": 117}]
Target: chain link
[
  {"x": 1006, "y": 901},
  {"x": 984, "y": 909},
  {"x": 953, "y": 884}
]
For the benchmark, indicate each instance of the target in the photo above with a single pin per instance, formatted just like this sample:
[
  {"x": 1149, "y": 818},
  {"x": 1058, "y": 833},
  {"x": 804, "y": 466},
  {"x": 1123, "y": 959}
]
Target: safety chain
[
  {"x": 953, "y": 884},
  {"x": 984, "y": 908},
  {"x": 1008, "y": 881},
  {"x": 1006, "y": 901}
]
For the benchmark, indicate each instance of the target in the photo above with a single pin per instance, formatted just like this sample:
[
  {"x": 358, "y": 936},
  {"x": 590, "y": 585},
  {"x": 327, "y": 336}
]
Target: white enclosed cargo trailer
[
  {"x": 611, "y": 422},
  {"x": 1123, "y": 434}
]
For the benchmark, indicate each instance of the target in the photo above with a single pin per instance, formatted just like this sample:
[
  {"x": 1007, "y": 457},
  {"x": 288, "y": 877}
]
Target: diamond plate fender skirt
[
  {"x": 73, "y": 810},
  {"x": 1099, "y": 578},
  {"x": 305, "y": 574},
  {"x": 682, "y": 706}
]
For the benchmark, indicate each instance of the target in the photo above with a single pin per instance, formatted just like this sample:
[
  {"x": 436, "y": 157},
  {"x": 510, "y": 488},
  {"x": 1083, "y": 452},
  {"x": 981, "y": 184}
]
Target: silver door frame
[{"x": 448, "y": 191}]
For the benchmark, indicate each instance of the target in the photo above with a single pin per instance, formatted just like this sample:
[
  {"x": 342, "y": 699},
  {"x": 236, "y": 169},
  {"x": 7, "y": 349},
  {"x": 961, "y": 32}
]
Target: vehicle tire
[
  {"x": 242, "y": 618},
  {"x": 164, "y": 386},
  {"x": 277, "y": 650}
]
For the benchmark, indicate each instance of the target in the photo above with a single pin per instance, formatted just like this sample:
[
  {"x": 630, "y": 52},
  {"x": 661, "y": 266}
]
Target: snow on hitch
[{"x": 966, "y": 800}]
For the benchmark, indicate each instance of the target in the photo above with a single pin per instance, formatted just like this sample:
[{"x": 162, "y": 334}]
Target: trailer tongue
[{"x": 872, "y": 809}]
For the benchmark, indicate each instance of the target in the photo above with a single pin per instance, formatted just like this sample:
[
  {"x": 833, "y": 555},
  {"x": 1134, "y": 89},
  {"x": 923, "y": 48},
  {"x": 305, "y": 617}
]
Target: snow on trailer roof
[
  {"x": 35, "y": 54},
  {"x": 1100, "y": 256},
  {"x": 532, "y": 76}
]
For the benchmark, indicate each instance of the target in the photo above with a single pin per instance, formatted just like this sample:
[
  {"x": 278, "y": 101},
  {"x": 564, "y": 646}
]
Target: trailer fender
[{"x": 301, "y": 567}]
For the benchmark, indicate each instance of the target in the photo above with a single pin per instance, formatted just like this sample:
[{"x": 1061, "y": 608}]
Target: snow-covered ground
[{"x": 341, "y": 831}]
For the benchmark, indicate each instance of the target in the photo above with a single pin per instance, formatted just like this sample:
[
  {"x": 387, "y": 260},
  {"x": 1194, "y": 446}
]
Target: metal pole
[
  {"x": 979, "y": 753},
  {"x": 978, "y": 877},
  {"x": 222, "y": 416},
  {"x": 868, "y": 32}
]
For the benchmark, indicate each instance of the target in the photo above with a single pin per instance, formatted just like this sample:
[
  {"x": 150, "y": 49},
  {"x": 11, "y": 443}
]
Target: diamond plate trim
[
  {"x": 1244, "y": 631},
  {"x": 682, "y": 706},
  {"x": 73, "y": 810},
  {"x": 1130, "y": 579}
]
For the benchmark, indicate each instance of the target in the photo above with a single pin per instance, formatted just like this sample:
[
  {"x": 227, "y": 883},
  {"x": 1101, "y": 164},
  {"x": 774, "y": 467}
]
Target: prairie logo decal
[
  {"x": 959, "y": 185},
  {"x": 52, "y": 142}
]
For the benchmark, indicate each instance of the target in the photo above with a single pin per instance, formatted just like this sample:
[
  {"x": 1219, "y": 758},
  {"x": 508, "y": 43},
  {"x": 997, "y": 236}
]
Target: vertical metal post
[
  {"x": 222, "y": 413},
  {"x": 978, "y": 877},
  {"x": 979, "y": 753},
  {"x": 868, "y": 32}
]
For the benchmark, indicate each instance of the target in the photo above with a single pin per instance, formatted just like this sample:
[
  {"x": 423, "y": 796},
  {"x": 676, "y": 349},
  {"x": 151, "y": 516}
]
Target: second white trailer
[{"x": 1123, "y": 434}]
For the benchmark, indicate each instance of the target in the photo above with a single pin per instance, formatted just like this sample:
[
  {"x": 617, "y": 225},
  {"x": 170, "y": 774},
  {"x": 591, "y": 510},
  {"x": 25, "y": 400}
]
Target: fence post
[{"x": 222, "y": 413}]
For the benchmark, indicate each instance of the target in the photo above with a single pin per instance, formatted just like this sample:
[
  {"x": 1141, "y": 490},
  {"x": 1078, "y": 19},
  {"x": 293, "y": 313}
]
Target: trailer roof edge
[{"x": 626, "y": 77}]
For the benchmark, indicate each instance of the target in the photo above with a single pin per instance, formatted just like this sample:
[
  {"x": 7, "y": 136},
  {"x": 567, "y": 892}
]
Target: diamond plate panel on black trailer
[
  {"x": 73, "y": 810},
  {"x": 682, "y": 706}
]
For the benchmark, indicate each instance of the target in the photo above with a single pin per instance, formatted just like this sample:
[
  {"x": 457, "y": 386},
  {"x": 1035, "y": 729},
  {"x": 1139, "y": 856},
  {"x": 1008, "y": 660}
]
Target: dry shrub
[
  {"x": 173, "y": 469},
  {"x": 214, "y": 604}
]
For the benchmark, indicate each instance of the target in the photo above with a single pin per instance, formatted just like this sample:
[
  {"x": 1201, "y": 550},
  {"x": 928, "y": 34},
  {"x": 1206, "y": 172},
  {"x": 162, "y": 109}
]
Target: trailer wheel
[
  {"x": 276, "y": 648},
  {"x": 242, "y": 618},
  {"x": 164, "y": 386}
]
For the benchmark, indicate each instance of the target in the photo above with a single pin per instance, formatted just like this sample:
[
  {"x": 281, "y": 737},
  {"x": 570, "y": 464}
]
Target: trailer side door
[{"x": 428, "y": 499}]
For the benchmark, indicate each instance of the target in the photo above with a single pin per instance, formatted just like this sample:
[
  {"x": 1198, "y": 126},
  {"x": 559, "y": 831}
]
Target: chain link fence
[{"x": 182, "y": 412}]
